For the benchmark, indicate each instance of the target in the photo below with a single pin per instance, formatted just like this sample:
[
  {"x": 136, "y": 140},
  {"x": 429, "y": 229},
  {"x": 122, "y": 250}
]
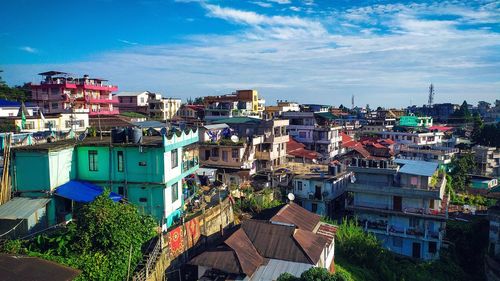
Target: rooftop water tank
[{"x": 118, "y": 135}]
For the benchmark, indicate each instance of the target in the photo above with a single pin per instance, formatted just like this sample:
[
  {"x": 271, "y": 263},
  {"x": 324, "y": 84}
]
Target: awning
[{"x": 83, "y": 192}]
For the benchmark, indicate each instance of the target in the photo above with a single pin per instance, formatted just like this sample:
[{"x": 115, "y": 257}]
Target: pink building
[{"x": 60, "y": 92}]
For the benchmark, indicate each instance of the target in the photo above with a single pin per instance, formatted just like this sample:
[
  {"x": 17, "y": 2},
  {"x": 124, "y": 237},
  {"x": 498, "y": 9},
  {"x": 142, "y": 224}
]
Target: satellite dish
[
  {"x": 235, "y": 138},
  {"x": 290, "y": 196}
]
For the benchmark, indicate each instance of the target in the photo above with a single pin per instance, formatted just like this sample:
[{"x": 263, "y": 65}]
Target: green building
[
  {"x": 415, "y": 121},
  {"x": 149, "y": 174}
]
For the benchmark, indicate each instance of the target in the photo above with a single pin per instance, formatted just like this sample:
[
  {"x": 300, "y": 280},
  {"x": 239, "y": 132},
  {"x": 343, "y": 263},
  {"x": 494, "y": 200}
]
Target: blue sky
[{"x": 383, "y": 52}]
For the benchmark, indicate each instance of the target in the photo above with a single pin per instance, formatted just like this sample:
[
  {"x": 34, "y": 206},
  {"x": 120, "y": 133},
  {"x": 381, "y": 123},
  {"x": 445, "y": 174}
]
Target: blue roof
[
  {"x": 419, "y": 168},
  {"x": 83, "y": 192},
  {"x": 8, "y": 103}
]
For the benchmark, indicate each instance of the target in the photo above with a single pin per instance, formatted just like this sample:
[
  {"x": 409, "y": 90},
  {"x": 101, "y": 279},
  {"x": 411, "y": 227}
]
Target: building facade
[
  {"x": 163, "y": 108},
  {"x": 487, "y": 160},
  {"x": 238, "y": 104},
  {"x": 318, "y": 133},
  {"x": 403, "y": 204},
  {"x": 59, "y": 92},
  {"x": 134, "y": 101},
  {"x": 149, "y": 175}
]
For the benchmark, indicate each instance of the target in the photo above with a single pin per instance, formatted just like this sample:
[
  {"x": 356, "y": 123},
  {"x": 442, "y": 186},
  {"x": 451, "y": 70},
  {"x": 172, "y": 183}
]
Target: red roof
[
  {"x": 440, "y": 128},
  {"x": 297, "y": 149}
]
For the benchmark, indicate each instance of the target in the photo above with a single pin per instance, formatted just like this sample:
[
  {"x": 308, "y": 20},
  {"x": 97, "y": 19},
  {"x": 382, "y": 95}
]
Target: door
[
  {"x": 317, "y": 193},
  {"x": 397, "y": 203},
  {"x": 416, "y": 250}
]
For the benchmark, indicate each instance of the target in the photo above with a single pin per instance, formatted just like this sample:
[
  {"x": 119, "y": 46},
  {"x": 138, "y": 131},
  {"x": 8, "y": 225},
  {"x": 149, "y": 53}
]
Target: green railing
[{"x": 189, "y": 163}]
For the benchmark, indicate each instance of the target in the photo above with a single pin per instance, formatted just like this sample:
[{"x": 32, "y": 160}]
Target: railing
[
  {"x": 190, "y": 163},
  {"x": 104, "y": 112},
  {"x": 389, "y": 229},
  {"x": 150, "y": 262},
  {"x": 103, "y": 100},
  {"x": 407, "y": 210}
]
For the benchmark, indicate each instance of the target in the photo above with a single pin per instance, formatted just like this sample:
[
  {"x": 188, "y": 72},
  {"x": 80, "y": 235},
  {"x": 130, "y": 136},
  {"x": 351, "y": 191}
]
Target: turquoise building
[{"x": 149, "y": 174}]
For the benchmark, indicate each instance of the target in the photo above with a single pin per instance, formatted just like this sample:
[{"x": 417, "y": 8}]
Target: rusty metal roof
[
  {"x": 275, "y": 241},
  {"x": 296, "y": 215},
  {"x": 311, "y": 243},
  {"x": 248, "y": 256},
  {"x": 222, "y": 258}
]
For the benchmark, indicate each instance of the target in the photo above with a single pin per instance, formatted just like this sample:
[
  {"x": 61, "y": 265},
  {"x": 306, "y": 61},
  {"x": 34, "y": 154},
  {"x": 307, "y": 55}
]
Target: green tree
[
  {"x": 462, "y": 115},
  {"x": 98, "y": 242},
  {"x": 477, "y": 129},
  {"x": 460, "y": 168},
  {"x": 16, "y": 93}
]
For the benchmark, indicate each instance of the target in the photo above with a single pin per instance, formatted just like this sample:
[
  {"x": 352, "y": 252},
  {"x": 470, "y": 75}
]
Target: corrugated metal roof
[
  {"x": 216, "y": 126},
  {"x": 21, "y": 207},
  {"x": 150, "y": 124},
  {"x": 419, "y": 168},
  {"x": 274, "y": 268},
  {"x": 16, "y": 267}
]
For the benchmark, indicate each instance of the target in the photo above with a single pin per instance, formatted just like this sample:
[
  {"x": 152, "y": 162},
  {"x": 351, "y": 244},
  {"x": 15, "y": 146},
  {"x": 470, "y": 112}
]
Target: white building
[{"x": 163, "y": 108}]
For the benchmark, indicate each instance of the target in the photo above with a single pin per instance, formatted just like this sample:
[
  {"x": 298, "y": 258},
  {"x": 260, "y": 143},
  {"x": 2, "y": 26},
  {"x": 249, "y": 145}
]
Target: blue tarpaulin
[{"x": 83, "y": 192}]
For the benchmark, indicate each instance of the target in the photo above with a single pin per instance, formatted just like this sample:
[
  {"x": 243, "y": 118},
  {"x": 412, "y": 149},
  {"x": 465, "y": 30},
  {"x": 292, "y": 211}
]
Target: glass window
[
  {"x": 119, "y": 165},
  {"x": 299, "y": 185},
  {"x": 235, "y": 153},
  {"x": 224, "y": 155},
  {"x": 175, "y": 158},
  {"x": 175, "y": 192},
  {"x": 93, "y": 160}
]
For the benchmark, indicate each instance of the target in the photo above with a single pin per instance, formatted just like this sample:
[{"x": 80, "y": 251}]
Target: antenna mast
[{"x": 431, "y": 95}]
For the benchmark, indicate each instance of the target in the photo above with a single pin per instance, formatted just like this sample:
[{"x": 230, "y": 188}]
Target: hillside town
[{"x": 100, "y": 183}]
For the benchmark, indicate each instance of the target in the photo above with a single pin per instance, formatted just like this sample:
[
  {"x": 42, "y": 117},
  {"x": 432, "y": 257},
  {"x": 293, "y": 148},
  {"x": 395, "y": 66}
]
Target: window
[
  {"x": 414, "y": 222},
  {"x": 215, "y": 152},
  {"x": 143, "y": 164},
  {"x": 432, "y": 247},
  {"x": 397, "y": 242},
  {"x": 143, "y": 199},
  {"x": 121, "y": 191},
  {"x": 93, "y": 160},
  {"x": 55, "y": 105},
  {"x": 175, "y": 192},
  {"x": 50, "y": 124},
  {"x": 119, "y": 165},
  {"x": 175, "y": 158},
  {"x": 142, "y": 100},
  {"x": 30, "y": 125},
  {"x": 299, "y": 185},
  {"x": 235, "y": 153},
  {"x": 224, "y": 155},
  {"x": 314, "y": 207}
]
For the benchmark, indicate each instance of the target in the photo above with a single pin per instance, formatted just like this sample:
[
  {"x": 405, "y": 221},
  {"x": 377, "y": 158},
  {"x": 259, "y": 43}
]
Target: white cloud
[
  {"x": 263, "y": 4},
  {"x": 295, "y": 8},
  {"x": 128, "y": 42},
  {"x": 302, "y": 59},
  {"x": 281, "y": 2},
  {"x": 28, "y": 49}
]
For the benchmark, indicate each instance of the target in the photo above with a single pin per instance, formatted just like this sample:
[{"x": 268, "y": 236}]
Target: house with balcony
[
  {"x": 270, "y": 153},
  {"x": 60, "y": 92},
  {"x": 161, "y": 108},
  {"x": 487, "y": 160},
  {"x": 402, "y": 202},
  {"x": 232, "y": 155},
  {"x": 414, "y": 137},
  {"x": 238, "y": 104},
  {"x": 149, "y": 174},
  {"x": 318, "y": 131},
  {"x": 322, "y": 193},
  {"x": 439, "y": 154},
  {"x": 134, "y": 101},
  {"x": 191, "y": 114},
  {"x": 378, "y": 124}
]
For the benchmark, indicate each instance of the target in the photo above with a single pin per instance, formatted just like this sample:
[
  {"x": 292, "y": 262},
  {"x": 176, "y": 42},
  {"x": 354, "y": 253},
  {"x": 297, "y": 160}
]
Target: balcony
[
  {"x": 394, "y": 191},
  {"x": 427, "y": 213},
  {"x": 383, "y": 227},
  {"x": 104, "y": 100},
  {"x": 263, "y": 155},
  {"x": 189, "y": 164},
  {"x": 104, "y": 112}
]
